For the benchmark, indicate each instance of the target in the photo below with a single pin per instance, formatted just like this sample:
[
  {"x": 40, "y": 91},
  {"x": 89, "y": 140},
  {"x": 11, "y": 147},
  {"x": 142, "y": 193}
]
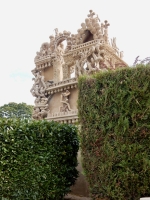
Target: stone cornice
[
  {"x": 42, "y": 60},
  {"x": 62, "y": 86}
]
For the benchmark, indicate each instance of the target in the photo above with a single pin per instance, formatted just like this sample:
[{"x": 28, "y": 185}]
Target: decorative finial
[
  {"x": 56, "y": 32},
  {"x": 106, "y": 24},
  {"x": 91, "y": 14},
  {"x": 98, "y": 18}
]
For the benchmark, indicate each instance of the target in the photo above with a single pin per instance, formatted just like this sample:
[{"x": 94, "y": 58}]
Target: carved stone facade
[{"x": 88, "y": 51}]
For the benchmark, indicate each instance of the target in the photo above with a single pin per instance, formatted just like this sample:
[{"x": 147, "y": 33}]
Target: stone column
[
  {"x": 66, "y": 73},
  {"x": 57, "y": 71}
]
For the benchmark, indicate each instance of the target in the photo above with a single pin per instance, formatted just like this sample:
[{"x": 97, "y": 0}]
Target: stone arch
[{"x": 59, "y": 40}]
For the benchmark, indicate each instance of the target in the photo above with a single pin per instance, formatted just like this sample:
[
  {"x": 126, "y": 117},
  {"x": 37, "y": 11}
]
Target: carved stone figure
[
  {"x": 121, "y": 54},
  {"x": 38, "y": 56},
  {"x": 65, "y": 101},
  {"x": 44, "y": 49},
  {"x": 37, "y": 100},
  {"x": 39, "y": 85},
  {"x": 40, "y": 112},
  {"x": 44, "y": 100},
  {"x": 52, "y": 43},
  {"x": 105, "y": 31},
  {"x": 79, "y": 70},
  {"x": 44, "y": 111},
  {"x": 36, "y": 112},
  {"x": 114, "y": 46},
  {"x": 91, "y": 67}
]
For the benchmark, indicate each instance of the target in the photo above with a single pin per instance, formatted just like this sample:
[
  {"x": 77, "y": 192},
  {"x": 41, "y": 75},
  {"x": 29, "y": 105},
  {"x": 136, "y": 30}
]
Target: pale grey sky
[{"x": 26, "y": 24}]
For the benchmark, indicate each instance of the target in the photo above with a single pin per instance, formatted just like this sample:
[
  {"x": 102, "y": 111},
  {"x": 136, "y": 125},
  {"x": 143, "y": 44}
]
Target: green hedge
[
  {"x": 38, "y": 159},
  {"x": 114, "y": 112}
]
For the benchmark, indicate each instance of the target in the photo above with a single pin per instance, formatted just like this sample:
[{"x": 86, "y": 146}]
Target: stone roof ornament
[
  {"x": 105, "y": 26},
  {"x": 91, "y": 14},
  {"x": 56, "y": 32},
  {"x": 114, "y": 46}
]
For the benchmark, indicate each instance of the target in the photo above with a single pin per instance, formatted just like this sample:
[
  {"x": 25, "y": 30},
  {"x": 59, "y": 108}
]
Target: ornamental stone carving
[
  {"x": 57, "y": 68},
  {"x": 65, "y": 102}
]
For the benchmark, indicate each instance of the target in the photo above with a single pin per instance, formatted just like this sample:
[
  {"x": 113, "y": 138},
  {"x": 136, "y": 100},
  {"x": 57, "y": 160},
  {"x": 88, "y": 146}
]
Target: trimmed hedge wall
[
  {"x": 114, "y": 112},
  {"x": 38, "y": 159}
]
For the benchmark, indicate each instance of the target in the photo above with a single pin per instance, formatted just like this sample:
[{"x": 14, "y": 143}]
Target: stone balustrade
[
  {"x": 70, "y": 117},
  {"x": 85, "y": 45}
]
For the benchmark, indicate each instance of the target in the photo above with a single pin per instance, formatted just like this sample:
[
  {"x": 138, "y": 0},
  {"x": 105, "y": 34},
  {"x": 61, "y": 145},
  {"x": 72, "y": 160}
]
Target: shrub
[
  {"x": 38, "y": 159},
  {"x": 114, "y": 112}
]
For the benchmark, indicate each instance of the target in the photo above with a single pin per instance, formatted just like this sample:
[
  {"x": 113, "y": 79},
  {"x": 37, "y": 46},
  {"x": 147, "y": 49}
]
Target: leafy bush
[
  {"x": 38, "y": 159},
  {"x": 114, "y": 112}
]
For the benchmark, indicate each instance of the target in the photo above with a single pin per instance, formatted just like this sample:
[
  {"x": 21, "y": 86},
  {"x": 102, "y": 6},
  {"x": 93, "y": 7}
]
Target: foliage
[
  {"x": 38, "y": 159},
  {"x": 114, "y": 112},
  {"x": 14, "y": 110},
  {"x": 139, "y": 62}
]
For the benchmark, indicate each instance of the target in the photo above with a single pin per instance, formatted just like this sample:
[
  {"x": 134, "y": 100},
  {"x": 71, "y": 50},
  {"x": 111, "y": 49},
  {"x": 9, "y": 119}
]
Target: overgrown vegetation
[
  {"x": 38, "y": 159},
  {"x": 114, "y": 112}
]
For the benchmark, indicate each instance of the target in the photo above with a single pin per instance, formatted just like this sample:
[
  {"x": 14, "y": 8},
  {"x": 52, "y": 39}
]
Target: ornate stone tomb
[{"x": 88, "y": 51}]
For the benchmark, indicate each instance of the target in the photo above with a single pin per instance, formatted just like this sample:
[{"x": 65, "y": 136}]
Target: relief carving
[
  {"x": 65, "y": 101},
  {"x": 40, "y": 112},
  {"x": 39, "y": 85},
  {"x": 41, "y": 101}
]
